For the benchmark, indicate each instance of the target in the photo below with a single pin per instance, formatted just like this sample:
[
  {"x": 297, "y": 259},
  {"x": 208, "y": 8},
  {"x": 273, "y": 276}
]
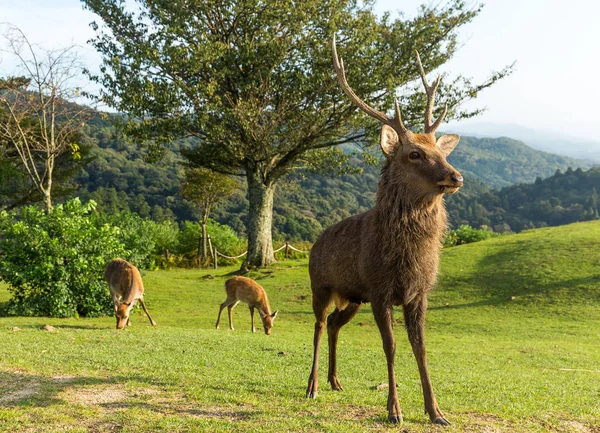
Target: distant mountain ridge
[
  {"x": 548, "y": 141},
  {"x": 500, "y": 162}
]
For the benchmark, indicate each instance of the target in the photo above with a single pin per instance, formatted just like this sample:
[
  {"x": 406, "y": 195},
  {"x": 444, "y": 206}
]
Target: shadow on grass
[
  {"x": 179, "y": 408},
  {"x": 25, "y": 391},
  {"x": 517, "y": 271}
]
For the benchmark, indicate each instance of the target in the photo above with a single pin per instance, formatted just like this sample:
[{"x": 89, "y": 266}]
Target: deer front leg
[
  {"x": 383, "y": 317},
  {"x": 313, "y": 380},
  {"x": 230, "y": 314},
  {"x": 252, "y": 328},
  {"x": 414, "y": 318},
  {"x": 146, "y": 311},
  {"x": 321, "y": 301},
  {"x": 335, "y": 321}
]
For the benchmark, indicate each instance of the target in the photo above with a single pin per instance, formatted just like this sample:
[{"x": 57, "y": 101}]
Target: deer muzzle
[{"x": 451, "y": 183}]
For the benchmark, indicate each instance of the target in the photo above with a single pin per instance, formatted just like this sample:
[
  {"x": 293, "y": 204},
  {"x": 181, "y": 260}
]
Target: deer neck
[
  {"x": 409, "y": 231},
  {"x": 263, "y": 306}
]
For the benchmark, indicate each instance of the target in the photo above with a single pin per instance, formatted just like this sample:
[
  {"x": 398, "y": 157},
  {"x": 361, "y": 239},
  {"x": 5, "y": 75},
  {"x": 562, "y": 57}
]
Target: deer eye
[{"x": 414, "y": 155}]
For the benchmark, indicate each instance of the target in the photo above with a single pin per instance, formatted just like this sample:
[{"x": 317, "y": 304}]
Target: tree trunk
[
  {"x": 48, "y": 190},
  {"x": 47, "y": 198},
  {"x": 260, "y": 223}
]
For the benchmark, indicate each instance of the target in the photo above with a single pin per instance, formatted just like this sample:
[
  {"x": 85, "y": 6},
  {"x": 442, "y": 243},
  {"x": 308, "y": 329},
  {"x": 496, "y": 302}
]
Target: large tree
[{"x": 252, "y": 80}]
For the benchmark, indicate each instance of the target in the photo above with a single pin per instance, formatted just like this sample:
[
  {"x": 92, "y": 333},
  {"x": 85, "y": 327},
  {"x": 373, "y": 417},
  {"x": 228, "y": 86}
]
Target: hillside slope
[
  {"x": 550, "y": 268},
  {"x": 512, "y": 342}
]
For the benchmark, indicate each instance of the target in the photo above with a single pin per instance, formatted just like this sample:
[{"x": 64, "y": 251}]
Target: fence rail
[{"x": 215, "y": 253}]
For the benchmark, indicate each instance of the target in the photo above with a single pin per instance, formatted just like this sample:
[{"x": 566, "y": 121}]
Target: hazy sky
[{"x": 556, "y": 45}]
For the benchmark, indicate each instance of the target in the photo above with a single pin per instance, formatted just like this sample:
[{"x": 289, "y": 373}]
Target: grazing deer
[
  {"x": 248, "y": 291},
  {"x": 389, "y": 255},
  {"x": 126, "y": 288}
]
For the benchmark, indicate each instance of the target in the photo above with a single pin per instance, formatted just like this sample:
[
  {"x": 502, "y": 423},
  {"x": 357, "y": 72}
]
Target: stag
[{"x": 389, "y": 255}]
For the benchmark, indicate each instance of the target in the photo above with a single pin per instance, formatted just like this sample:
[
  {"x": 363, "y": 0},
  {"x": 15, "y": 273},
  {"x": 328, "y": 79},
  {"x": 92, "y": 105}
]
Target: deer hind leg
[
  {"x": 335, "y": 321},
  {"x": 146, "y": 311},
  {"x": 227, "y": 302},
  {"x": 383, "y": 317},
  {"x": 321, "y": 302},
  {"x": 414, "y": 319}
]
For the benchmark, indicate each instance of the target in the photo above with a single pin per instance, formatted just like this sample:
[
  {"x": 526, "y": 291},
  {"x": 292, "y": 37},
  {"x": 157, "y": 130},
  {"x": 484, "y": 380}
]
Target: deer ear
[
  {"x": 274, "y": 315},
  {"x": 389, "y": 140},
  {"x": 447, "y": 143}
]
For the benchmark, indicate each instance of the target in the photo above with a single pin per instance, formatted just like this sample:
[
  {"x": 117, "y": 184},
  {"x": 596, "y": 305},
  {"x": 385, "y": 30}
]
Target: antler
[
  {"x": 430, "y": 90},
  {"x": 396, "y": 122}
]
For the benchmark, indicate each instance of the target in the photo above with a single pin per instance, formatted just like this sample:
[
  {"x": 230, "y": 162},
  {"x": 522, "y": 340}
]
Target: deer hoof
[
  {"x": 312, "y": 394},
  {"x": 395, "y": 419},
  {"x": 335, "y": 384},
  {"x": 441, "y": 421}
]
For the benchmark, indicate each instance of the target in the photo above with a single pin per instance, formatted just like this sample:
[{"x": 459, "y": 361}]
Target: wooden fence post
[
  {"x": 287, "y": 249},
  {"x": 216, "y": 258},
  {"x": 210, "y": 249}
]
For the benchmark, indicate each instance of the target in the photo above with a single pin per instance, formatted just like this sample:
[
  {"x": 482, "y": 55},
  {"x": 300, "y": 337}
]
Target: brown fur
[
  {"x": 249, "y": 291},
  {"x": 126, "y": 288},
  {"x": 387, "y": 256}
]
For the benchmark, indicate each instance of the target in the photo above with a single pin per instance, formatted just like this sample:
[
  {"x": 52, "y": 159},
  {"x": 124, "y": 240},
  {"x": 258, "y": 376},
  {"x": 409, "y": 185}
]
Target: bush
[
  {"x": 222, "y": 237},
  {"x": 53, "y": 261},
  {"x": 466, "y": 234},
  {"x": 145, "y": 240}
]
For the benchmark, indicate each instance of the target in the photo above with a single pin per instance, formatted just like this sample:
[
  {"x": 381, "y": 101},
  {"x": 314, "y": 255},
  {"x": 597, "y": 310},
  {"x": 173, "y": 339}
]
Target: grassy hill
[{"x": 512, "y": 335}]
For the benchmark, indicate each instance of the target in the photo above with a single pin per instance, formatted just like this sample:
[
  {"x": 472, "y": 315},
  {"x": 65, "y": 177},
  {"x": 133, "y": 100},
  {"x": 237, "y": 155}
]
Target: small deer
[
  {"x": 389, "y": 255},
  {"x": 248, "y": 291},
  {"x": 126, "y": 288}
]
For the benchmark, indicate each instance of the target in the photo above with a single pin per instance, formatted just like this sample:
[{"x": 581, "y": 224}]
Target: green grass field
[{"x": 513, "y": 334}]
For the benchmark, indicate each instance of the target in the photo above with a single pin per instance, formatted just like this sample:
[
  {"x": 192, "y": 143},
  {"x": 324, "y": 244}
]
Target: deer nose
[{"x": 457, "y": 179}]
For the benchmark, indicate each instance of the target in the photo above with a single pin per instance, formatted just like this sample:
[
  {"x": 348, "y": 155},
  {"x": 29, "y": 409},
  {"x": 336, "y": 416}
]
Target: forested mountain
[
  {"x": 500, "y": 162},
  {"x": 560, "y": 199},
  {"x": 121, "y": 178}
]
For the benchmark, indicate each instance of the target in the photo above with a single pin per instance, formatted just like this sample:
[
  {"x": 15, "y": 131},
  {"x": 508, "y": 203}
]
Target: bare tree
[{"x": 37, "y": 115}]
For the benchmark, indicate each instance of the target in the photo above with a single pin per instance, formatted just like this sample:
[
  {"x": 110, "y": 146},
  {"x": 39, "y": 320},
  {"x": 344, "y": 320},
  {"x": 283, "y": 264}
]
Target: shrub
[
  {"x": 222, "y": 237},
  {"x": 145, "y": 240},
  {"x": 53, "y": 261},
  {"x": 466, "y": 234}
]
